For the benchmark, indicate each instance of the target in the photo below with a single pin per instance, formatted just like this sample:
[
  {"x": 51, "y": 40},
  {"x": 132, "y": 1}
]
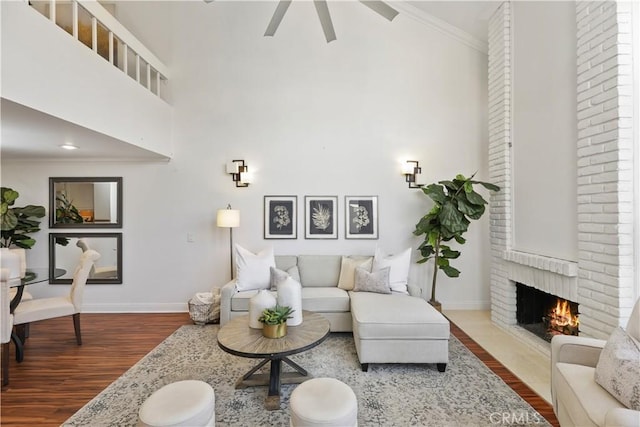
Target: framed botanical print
[
  {"x": 321, "y": 217},
  {"x": 280, "y": 213},
  {"x": 361, "y": 217}
]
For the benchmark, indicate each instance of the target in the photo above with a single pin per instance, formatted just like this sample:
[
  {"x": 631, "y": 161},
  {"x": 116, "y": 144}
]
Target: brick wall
[
  {"x": 605, "y": 165},
  {"x": 605, "y": 277},
  {"x": 503, "y": 292}
]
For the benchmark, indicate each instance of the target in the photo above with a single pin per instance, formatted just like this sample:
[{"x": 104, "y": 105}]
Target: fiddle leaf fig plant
[
  {"x": 66, "y": 213},
  {"x": 456, "y": 203},
  {"x": 16, "y": 223}
]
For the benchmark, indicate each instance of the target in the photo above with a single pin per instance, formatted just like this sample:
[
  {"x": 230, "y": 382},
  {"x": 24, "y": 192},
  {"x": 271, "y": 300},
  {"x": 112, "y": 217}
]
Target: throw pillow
[
  {"x": 399, "y": 265},
  {"x": 278, "y": 276},
  {"x": 377, "y": 281},
  {"x": 348, "y": 269},
  {"x": 253, "y": 270},
  {"x": 618, "y": 369}
]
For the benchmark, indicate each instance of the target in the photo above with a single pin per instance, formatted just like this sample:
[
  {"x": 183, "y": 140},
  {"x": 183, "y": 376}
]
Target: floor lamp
[{"x": 229, "y": 218}]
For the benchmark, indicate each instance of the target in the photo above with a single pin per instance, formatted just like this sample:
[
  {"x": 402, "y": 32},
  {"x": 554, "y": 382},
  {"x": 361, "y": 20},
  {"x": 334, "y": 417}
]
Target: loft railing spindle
[
  {"x": 125, "y": 67},
  {"x": 94, "y": 34},
  {"x": 74, "y": 18},
  {"x": 111, "y": 47},
  {"x": 148, "y": 76},
  {"x": 137, "y": 68},
  {"x": 52, "y": 10}
]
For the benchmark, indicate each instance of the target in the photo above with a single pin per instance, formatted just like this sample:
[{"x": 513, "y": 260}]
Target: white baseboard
[{"x": 466, "y": 305}]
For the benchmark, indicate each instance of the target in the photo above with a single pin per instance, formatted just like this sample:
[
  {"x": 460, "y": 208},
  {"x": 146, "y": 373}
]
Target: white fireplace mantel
[{"x": 552, "y": 275}]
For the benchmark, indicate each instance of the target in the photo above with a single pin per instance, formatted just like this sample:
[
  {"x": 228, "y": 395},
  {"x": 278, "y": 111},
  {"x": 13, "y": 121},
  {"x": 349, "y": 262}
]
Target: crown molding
[{"x": 443, "y": 27}]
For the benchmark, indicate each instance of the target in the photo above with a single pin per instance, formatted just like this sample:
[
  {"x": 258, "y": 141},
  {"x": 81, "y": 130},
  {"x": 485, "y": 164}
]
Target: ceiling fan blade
[
  {"x": 281, "y": 9},
  {"x": 381, "y": 7},
  {"x": 325, "y": 19}
]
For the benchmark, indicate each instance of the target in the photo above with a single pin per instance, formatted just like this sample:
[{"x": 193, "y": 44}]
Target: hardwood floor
[
  {"x": 537, "y": 402},
  {"x": 58, "y": 377}
]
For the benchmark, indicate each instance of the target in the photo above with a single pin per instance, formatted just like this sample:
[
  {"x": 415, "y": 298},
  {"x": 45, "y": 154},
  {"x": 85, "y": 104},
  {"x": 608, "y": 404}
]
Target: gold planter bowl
[{"x": 274, "y": 331}]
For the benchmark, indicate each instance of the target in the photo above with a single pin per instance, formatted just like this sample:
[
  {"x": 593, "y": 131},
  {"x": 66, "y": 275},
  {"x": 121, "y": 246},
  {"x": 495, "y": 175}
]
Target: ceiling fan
[{"x": 325, "y": 18}]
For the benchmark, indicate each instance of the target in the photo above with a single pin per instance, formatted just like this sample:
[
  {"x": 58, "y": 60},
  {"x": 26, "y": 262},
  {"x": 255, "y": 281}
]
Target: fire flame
[{"x": 561, "y": 315}]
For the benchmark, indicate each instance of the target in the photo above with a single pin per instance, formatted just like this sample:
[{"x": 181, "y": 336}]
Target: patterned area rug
[{"x": 467, "y": 394}]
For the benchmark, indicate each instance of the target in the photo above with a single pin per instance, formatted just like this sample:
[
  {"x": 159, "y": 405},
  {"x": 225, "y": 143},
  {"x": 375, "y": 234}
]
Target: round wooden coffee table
[{"x": 237, "y": 338}]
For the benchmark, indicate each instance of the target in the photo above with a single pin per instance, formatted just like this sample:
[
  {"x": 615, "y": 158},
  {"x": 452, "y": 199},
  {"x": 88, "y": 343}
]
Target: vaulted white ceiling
[{"x": 29, "y": 134}]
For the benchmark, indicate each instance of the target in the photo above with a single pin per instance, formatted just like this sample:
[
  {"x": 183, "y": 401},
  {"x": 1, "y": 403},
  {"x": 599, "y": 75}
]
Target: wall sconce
[
  {"x": 410, "y": 169},
  {"x": 239, "y": 173}
]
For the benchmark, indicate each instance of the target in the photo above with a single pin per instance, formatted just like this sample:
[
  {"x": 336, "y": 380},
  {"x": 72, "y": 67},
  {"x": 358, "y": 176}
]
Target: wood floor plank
[{"x": 58, "y": 377}]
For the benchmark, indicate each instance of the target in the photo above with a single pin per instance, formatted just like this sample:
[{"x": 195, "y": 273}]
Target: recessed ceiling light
[{"x": 68, "y": 146}]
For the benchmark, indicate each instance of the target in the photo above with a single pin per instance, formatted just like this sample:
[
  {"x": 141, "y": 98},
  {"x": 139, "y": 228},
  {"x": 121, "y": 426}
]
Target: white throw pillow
[
  {"x": 377, "y": 281},
  {"x": 252, "y": 270},
  {"x": 278, "y": 276},
  {"x": 399, "y": 264},
  {"x": 348, "y": 268},
  {"x": 618, "y": 369}
]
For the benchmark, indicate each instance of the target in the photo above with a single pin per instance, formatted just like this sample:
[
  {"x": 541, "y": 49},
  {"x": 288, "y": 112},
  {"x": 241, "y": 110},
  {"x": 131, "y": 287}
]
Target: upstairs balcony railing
[{"x": 93, "y": 25}]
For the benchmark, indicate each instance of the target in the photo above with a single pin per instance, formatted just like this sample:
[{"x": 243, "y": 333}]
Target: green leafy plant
[
  {"x": 276, "y": 315},
  {"x": 455, "y": 204},
  {"x": 66, "y": 213},
  {"x": 16, "y": 223}
]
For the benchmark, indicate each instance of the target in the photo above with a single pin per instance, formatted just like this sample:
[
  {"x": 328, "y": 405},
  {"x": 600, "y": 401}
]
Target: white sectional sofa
[{"x": 387, "y": 328}]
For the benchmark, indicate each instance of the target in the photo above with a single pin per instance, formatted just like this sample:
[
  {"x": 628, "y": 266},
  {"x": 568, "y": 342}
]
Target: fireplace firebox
[{"x": 544, "y": 314}]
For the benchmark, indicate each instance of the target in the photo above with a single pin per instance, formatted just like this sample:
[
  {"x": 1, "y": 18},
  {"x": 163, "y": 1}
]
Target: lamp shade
[
  {"x": 408, "y": 168},
  {"x": 228, "y": 218},
  {"x": 246, "y": 177}
]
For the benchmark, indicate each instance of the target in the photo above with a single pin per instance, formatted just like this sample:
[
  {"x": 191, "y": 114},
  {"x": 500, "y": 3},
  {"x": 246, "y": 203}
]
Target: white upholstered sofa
[
  {"x": 400, "y": 327},
  {"x": 578, "y": 399}
]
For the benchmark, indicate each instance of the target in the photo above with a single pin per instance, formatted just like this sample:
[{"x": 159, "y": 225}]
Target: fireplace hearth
[{"x": 545, "y": 315}]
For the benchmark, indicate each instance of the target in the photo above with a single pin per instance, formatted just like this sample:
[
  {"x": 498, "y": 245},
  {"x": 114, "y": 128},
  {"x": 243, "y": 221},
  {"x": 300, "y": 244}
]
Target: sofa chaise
[{"x": 399, "y": 327}]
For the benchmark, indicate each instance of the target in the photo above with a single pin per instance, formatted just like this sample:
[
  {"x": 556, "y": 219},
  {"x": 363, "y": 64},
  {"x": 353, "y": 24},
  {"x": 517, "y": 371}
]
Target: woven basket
[{"x": 201, "y": 313}]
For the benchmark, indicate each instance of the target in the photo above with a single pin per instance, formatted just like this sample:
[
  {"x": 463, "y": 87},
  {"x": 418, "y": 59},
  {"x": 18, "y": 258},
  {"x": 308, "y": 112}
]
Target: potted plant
[
  {"x": 16, "y": 223},
  {"x": 274, "y": 321},
  {"x": 455, "y": 204},
  {"x": 66, "y": 213}
]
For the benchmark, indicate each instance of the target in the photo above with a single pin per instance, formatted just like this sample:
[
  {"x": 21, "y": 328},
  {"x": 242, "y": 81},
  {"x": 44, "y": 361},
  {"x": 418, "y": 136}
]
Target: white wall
[
  {"x": 67, "y": 88},
  {"x": 544, "y": 129},
  {"x": 309, "y": 118}
]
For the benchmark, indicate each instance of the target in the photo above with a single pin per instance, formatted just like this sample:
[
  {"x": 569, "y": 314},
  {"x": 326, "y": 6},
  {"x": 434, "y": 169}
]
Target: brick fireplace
[
  {"x": 546, "y": 275},
  {"x": 546, "y": 315},
  {"x": 601, "y": 279}
]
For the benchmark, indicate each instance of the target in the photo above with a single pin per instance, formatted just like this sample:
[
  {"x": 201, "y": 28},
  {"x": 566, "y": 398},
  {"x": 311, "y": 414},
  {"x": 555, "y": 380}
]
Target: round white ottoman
[
  {"x": 323, "y": 402},
  {"x": 184, "y": 403}
]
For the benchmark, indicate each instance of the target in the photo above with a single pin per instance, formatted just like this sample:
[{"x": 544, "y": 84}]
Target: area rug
[{"x": 467, "y": 394}]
